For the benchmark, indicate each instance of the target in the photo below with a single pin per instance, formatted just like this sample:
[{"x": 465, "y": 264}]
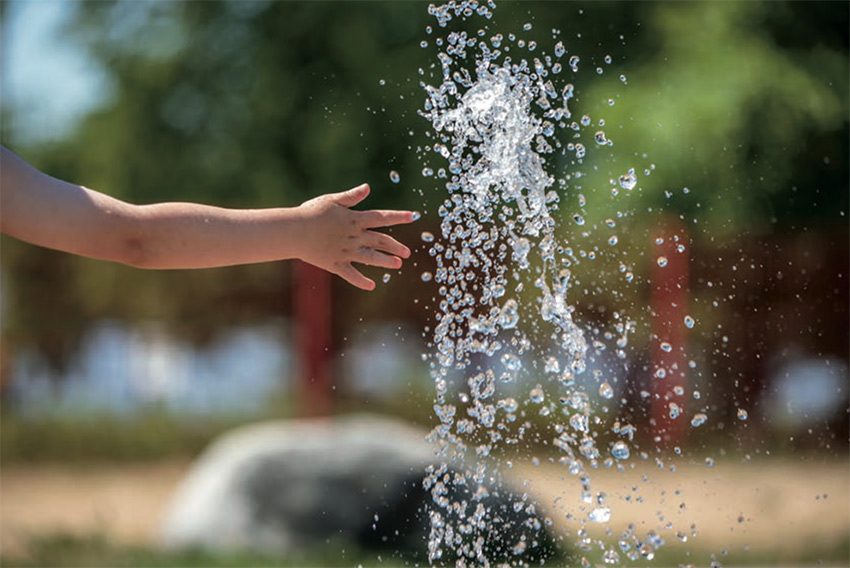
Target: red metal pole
[
  {"x": 313, "y": 338},
  {"x": 669, "y": 303}
]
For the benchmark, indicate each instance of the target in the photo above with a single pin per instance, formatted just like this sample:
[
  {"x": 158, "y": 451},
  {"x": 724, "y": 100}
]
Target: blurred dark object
[{"x": 355, "y": 483}]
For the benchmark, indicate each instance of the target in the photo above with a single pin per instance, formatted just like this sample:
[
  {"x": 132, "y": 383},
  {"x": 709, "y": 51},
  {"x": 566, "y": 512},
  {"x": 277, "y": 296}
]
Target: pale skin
[{"x": 323, "y": 231}]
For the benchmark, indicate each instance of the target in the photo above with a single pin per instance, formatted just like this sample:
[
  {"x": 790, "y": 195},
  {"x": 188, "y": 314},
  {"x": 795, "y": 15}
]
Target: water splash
[{"x": 504, "y": 282}]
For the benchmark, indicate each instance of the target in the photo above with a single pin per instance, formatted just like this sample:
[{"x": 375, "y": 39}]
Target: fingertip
[{"x": 404, "y": 217}]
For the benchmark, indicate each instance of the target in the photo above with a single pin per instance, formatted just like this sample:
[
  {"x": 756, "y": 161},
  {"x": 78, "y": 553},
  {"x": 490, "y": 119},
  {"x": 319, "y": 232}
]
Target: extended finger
[
  {"x": 353, "y": 277},
  {"x": 386, "y": 243},
  {"x": 375, "y": 258},
  {"x": 351, "y": 197},
  {"x": 384, "y": 218}
]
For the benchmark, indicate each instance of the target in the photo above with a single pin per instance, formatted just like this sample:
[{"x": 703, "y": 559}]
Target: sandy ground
[
  {"x": 125, "y": 502},
  {"x": 763, "y": 505}
]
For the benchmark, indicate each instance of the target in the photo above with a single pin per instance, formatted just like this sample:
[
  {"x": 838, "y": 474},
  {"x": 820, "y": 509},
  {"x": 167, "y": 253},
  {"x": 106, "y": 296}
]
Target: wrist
[{"x": 300, "y": 232}]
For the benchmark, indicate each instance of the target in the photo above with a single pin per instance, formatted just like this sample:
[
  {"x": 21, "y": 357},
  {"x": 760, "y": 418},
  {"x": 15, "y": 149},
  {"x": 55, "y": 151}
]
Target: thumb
[{"x": 353, "y": 196}]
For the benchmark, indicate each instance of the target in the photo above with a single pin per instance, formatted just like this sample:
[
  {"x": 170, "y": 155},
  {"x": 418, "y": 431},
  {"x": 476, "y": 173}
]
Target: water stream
[{"x": 500, "y": 119}]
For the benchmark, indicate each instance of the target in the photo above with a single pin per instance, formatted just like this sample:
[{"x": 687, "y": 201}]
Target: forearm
[
  {"x": 189, "y": 235},
  {"x": 56, "y": 214}
]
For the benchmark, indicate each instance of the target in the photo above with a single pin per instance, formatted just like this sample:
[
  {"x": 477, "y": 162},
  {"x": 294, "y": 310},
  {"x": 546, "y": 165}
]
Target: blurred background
[{"x": 733, "y": 114}]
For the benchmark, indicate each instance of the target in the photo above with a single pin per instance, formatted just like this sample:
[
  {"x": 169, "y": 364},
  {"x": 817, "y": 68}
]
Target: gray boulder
[{"x": 295, "y": 488}]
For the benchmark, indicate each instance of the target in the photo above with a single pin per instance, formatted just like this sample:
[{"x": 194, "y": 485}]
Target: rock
[{"x": 294, "y": 488}]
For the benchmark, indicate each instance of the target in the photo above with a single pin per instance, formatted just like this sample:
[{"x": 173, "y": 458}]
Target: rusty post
[
  {"x": 669, "y": 303},
  {"x": 313, "y": 339}
]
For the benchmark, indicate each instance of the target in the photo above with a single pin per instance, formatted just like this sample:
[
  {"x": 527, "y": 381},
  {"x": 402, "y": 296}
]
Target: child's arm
[{"x": 37, "y": 208}]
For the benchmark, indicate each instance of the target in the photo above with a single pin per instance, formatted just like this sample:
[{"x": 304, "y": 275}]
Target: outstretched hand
[{"x": 336, "y": 236}]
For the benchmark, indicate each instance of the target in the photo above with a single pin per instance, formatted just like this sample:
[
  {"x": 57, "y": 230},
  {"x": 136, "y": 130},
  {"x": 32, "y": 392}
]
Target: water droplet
[
  {"x": 509, "y": 316},
  {"x": 386, "y": 278},
  {"x": 526, "y": 26},
  {"x": 666, "y": 347},
  {"x": 608, "y": 59},
  {"x": 559, "y": 49},
  {"x": 580, "y": 151},
  {"x": 661, "y": 261},
  {"x": 600, "y": 514},
  {"x": 709, "y": 462},
  {"x": 613, "y": 240},
  {"x": 698, "y": 420},
  {"x": 519, "y": 547},
  {"x": 511, "y": 362},
  {"x": 605, "y": 390},
  {"x": 742, "y": 414},
  {"x": 623, "y": 78},
  {"x": 416, "y": 215},
  {"x": 574, "y": 60},
  {"x": 382, "y": 82},
  {"x": 689, "y": 322},
  {"x": 510, "y": 405},
  {"x": 427, "y": 237},
  {"x": 426, "y": 276},
  {"x": 427, "y": 172},
  {"x": 579, "y": 220},
  {"x": 675, "y": 410},
  {"x": 628, "y": 181},
  {"x": 620, "y": 450},
  {"x": 394, "y": 177},
  {"x": 536, "y": 395}
]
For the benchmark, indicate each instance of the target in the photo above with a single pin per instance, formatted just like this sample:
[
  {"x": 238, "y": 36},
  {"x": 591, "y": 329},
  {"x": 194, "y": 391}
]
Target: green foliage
[
  {"x": 724, "y": 109},
  {"x": 90, "y": 439},
  {"x": 247, "y": 103}
]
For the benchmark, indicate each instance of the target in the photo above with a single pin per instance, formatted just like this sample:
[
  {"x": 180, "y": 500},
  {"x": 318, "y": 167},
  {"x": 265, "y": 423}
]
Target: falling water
[{"x": 506, "y": 306}]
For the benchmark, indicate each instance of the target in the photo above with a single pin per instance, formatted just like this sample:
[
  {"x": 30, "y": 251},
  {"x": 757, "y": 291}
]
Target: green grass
[
  {"x": 63, "y": 550},
  {"x": 78, "y": 439},
  {"x": 96, "y": 551}
]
